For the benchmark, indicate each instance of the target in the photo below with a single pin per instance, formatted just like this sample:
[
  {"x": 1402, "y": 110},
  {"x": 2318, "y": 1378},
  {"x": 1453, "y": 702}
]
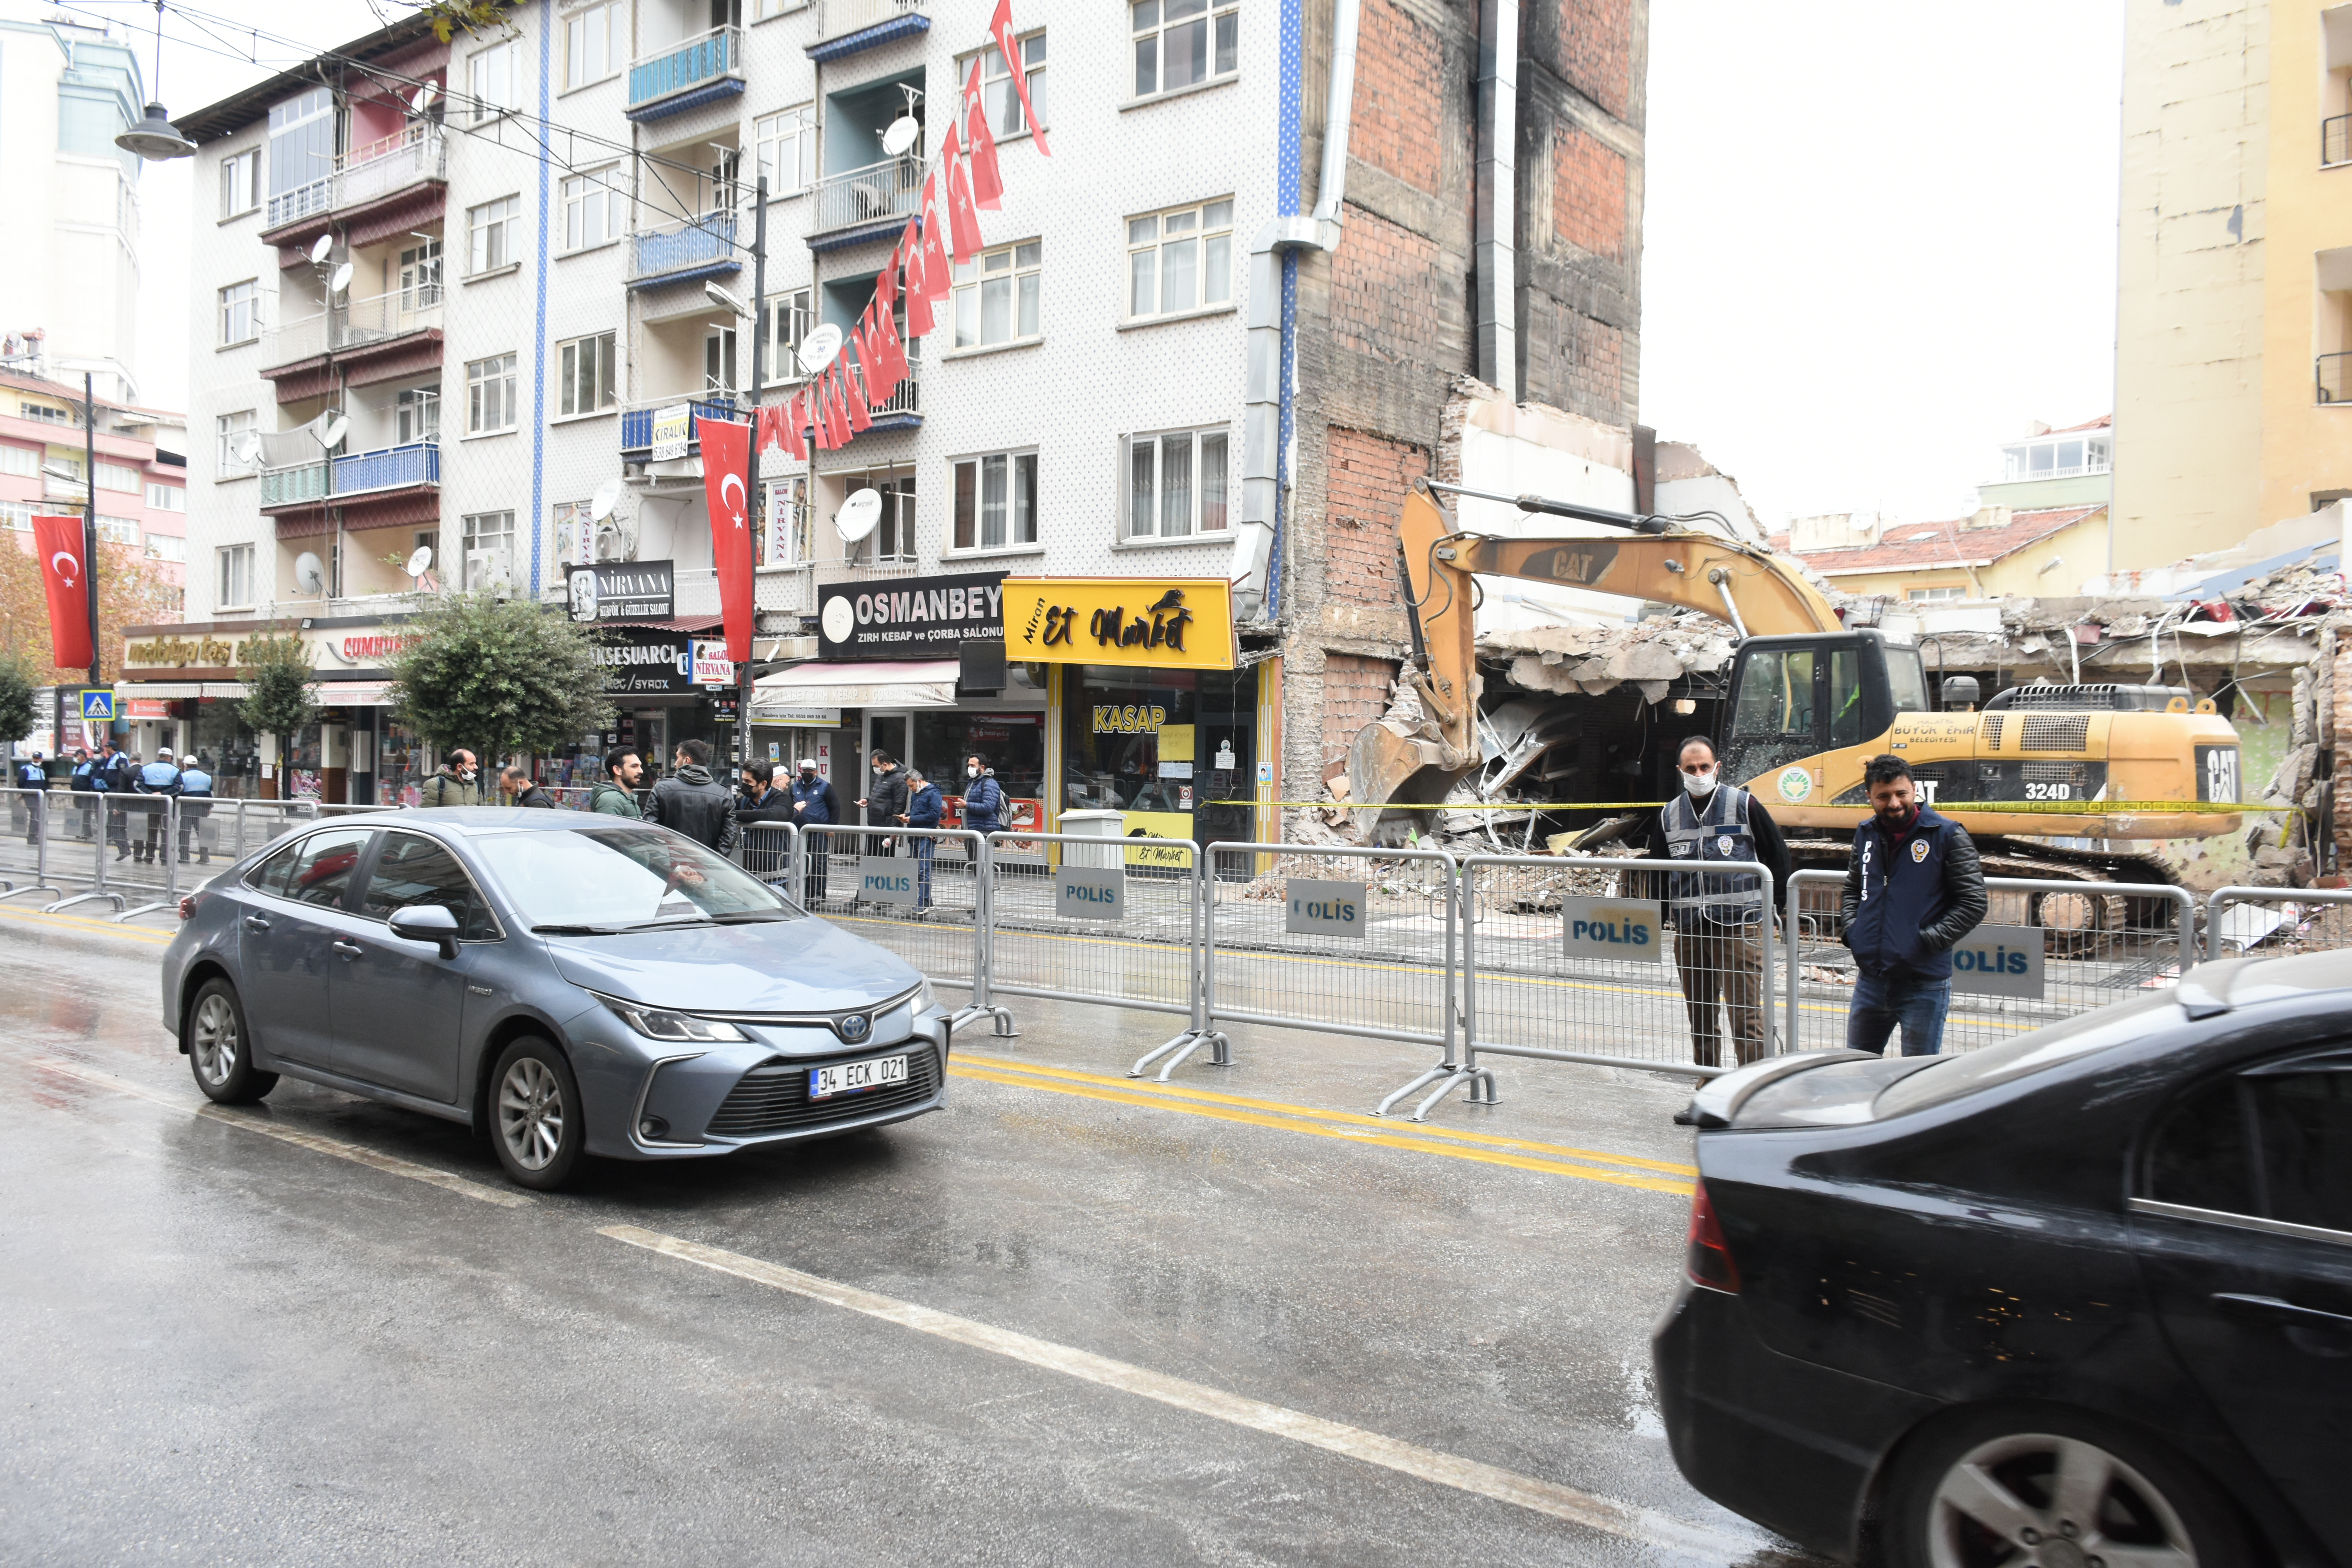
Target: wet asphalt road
[{"x": 1067, "y": 1319}]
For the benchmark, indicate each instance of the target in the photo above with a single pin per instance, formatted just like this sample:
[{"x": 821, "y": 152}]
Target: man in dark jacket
[
  {"x": 1720, "y": 923},
  {"x": 924, "y": 809},
  {"x": 119, "y": 776},
  {"x": 765, "y": 798},
  {"x": 160, "y": 778},
  {"x": 1913, "y": 890},
  {"x": 34, "y": 780},
  {"x": 88, "y": 782},
  {"x": 814, "y": 805},
  {"x": 693, "y": 803},
  {"x": 886, "y": 801},
  {"x": 520, "y": 789},
  {"x": 195, "y": 805}
]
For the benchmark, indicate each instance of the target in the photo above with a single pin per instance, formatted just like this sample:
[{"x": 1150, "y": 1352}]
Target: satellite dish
[
  {"x": 859, "y": 516},
  {"x": 902, "y": 135},
  {"x": 311, "y": 574},
  {"x": 326, "y": 242},
  {"x": 420, "y": 561},
  {"x": 607, "y": 496},
  {"x": 336, "y": 429},
  {"x": 249, "y": 449},
  {"x": 341, "y": 280},
  {"x": 425, "y": 97},
  {"x": 818, "y": 348}
]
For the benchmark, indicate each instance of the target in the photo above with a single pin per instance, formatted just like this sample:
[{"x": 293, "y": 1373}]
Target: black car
[{"x": 2082, "y": 1299}]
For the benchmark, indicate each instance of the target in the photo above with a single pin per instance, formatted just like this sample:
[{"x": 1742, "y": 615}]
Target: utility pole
[
  {"x": 752, "y": 458},
  {"x": 89, "y": 513}
]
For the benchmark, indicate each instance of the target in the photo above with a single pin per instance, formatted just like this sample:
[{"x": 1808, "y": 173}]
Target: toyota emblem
[{"x": 853, "y": 1027}]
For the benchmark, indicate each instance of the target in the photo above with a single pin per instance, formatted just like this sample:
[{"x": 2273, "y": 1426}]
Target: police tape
[{"x": 2023, "y": 808}]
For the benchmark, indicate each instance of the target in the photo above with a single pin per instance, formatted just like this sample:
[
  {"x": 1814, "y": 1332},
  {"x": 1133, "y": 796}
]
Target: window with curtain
[
  {"x": 1176, "y": 482},
  {"x": 1180, "y": 261},
  {"x": 996, "y": 500},
  {"x": 996, "y": 296}
]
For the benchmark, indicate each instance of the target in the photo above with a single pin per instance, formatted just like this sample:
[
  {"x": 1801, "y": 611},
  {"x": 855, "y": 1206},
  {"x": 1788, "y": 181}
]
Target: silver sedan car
[{"x": 565, "y": 984}]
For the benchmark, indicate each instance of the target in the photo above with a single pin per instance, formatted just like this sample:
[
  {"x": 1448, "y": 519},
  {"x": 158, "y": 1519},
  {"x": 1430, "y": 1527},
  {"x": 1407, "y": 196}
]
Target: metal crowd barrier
[
  {"x": 1568, "y": 958},
  {"x": 32, "y": 824},
  {"x": 1115, "y": 921},
  {"x": 920, "y": 892},
  {"x": 2047, "y": 949},
  {"x": 2277, "y": 922}
]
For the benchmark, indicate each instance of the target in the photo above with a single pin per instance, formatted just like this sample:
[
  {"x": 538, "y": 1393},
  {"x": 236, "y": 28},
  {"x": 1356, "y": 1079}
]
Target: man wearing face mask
[
  {"x": 1721, "y": 922},
  {"x": 1913, "y": 890}
]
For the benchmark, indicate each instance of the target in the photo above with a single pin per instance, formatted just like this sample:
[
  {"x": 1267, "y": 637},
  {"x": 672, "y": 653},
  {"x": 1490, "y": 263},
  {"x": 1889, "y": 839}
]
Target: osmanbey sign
[{"x": 911, "y": 618}]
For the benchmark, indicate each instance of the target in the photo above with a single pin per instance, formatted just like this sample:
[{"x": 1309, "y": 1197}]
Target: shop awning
[{"x": 860, "y": 683}]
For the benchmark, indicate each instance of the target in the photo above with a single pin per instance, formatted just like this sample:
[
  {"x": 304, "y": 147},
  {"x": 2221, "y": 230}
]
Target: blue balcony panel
[
  {"x": 725, "y": 88},
  {"x": 637, "y": 423},
  {"x": 912, "y": 25},
  {"x": 889, "y": 227},
  {"x": 418, "y": 463}
]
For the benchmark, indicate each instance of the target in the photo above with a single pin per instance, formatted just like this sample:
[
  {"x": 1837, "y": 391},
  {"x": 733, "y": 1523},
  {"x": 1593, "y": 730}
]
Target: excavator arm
[{"x": 1756, "y": 591}]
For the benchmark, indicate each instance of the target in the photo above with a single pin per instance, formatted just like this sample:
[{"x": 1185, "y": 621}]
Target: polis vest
[
  {"x": 1720, "y": 833},
  {"x": 1902, "y": 895}
]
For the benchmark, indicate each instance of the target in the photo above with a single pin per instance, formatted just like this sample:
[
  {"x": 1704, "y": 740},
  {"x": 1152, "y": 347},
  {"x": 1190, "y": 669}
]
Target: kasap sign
[
  {"x": 2000, "y": 961},
  {"x": 1621, "y": 928},
  {"x": 1090, "y": 893},
  {"x": 1324, "y": 909}
]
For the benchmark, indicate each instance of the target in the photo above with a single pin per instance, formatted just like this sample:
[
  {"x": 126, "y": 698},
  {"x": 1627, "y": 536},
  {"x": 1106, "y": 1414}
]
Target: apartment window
[
  {"x": 301, "y": 154},
  {"x": 768, "y": 10},
  {"x": 118, "y": 531},
  {"x": 240, "y": 312},
  {"x": 996, "y": 297},
  {"x": 489, "y": 549},
  {"x": 785, "y": 319},
  {"x": 16, "y": 516},
  {"x": 490, "y": 393},
  {"x": 115, "y": 476},
  {"x": 166, "y": 498},
  {"x": 240, "y": 182},
  {"x": 2058, "y": 458},
  {"x": 490, "y": 235},
  {"x": 785, "y": 147},
  {"x": 234, "y": 582},
  {"x": 420, "y": 276},
  {"x": 23, "y": 461},
  {"x": 230, "y": 431},
  {"x": 417, "y": 414},
  {"x": 595, "y": 44},
  {"x": 166, "y": 547},
  {"x": 1181, "y": 43},
  {"x": 1176, "y": 484},
  {"x": 718, "y": 360},
  {"x": 592, "y": 210},
  {"x": 1180, "y": 261},
  {"x": 45, "y": 413},
  {"x": 894, "y": 537},
  {"x": 996, "y": 500},
  {"x": 65, "y": 465},
  {"x": 1932, "y": 595},
  {"x": 1000, "y": 103},
  {"x": 585, "y": 369},
  {"x": 493, "y": 80}
]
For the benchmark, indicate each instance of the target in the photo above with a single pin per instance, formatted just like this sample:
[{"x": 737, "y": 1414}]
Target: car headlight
[
  {"x": 661, "y": 1024},
  {"x": 923, "y": 996}
]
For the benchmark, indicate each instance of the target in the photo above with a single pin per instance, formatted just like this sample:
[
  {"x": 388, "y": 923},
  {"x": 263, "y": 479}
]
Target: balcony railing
[
  {"x": 2077, "y": 472},
  {"x": 379, "y": 168},
  {"x": 2335, "y": 378},
  {"x": 843, "y": 18},
  {"x": 2335, "y": 140},
  {"x": 297, "y": 485},
  {"x": 389, "y": 468},
  {"x": 304, "y": 337},
  {"x": 637, "y": 420},
  {"x": 301, "y": 202},
  {"x": 682, "y": 66},
  {"x": 890, "y": 189},
  {"x": 708, "y": 241},
  {"x": 905, "y": 398},
  {"x": 387, "y": 316}
]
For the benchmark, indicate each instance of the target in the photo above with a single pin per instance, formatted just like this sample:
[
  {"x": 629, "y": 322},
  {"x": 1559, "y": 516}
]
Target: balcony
[
  {"x": 850, "y": 26},
  {"x": 903, "y": 409},
  {"x": 2073, "y": 471},
  {"x": 305, "y": 484},
  {"x": 369, "y": 176},
  {"x": 381, "y": 489},
  {"x": 2335, "y": 141},
  {"x": 703, "y": 69},
  {"x": 368, "y": 340},
  {"x": 2335, "y": 378},
  {"x": 637, "y": 421},
  {"x": 703, "y": 249},
  {"x": 872, "y": 202},
  {"x": 792, "y": 588},
  {"x": 388, "y": 468},
  {"x": 293, "y": 342}
]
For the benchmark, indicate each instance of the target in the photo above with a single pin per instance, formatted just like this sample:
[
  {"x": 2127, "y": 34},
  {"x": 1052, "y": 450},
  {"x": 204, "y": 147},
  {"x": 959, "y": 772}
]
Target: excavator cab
[{"x": 1796, "y": 697}]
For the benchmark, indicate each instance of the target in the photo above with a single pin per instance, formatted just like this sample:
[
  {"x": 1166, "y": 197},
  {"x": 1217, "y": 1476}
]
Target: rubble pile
[{"x": 1587, "y": 660}]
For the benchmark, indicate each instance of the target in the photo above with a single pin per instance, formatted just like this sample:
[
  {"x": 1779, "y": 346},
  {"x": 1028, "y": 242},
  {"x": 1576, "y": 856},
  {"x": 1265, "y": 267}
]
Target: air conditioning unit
[{"x": 487, "y": 569}]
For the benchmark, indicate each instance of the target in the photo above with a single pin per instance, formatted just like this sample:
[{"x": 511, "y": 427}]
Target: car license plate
[{"x": 851, "y": 1077}]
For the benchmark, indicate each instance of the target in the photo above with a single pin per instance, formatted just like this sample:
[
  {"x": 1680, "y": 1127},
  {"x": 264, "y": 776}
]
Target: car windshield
[
  {"x": 621, "y": 877},
  {"x": 1993, "y": 1066}
]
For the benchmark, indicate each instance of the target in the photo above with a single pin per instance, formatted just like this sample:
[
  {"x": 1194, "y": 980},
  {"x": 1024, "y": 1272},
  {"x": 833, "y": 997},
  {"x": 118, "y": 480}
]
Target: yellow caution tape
[{"x": 2028, "y": 807}]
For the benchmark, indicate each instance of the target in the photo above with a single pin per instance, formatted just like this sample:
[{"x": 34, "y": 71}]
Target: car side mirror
[{"x": 427, "y": 922}]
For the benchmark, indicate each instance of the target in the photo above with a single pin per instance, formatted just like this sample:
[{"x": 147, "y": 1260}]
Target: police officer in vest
[
  {"x": 1913, "y": 890},
  {"x": 160, "y": 778},
  {"x": 195, "y": 797},
  {"x": 1721, "y": 922},
  {"x": 33, "y": 779}
]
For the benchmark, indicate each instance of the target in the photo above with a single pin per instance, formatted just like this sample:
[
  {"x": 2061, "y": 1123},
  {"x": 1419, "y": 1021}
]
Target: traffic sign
[{"x": 98, "y": 705}]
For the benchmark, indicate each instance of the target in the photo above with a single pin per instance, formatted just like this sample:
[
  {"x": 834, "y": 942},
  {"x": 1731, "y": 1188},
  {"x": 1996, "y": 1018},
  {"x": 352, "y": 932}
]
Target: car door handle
[
  {"x": 347, "y": 947},
  {"x": 2273, "y": 1309},
  {"x": 254, "y": 922}
]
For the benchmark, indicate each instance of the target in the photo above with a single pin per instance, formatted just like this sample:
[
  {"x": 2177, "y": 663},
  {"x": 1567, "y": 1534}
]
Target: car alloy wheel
[
  {"x": 2035, "y": 1500},
  {"x": 213, "y": 1045},
  {"x": 530, "y": 1113}
]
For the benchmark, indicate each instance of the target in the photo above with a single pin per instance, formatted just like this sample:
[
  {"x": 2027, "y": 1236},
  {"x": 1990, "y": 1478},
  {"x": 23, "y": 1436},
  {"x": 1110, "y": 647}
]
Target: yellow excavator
[{"x": 1809, "y": 701}]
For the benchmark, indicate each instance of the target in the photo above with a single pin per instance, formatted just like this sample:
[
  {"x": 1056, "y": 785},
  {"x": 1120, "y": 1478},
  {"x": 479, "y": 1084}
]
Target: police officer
[
  {"x": 1913, "y": 890},
  {"x": 84, "y": 781},
  {"x": 195, "y": 805},
  {"x": 32, "y": 776},
  {"x": 160, "y": 778},
  {"x": 118, "y": 775},
  {"x": 1721, "y": 921}
]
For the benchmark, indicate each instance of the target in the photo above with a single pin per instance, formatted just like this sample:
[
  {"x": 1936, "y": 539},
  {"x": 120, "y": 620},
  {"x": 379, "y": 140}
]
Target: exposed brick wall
[
  {"x": 1399, "y": 105},
  {"x": 1355, "y": 693},
  {"x": 1384, "y": 297},
  {"x": 1588, "y": 192},
  {"x": 1574, "y": 362},
  {"x": 1588, "y": 44},
  {"x": 1364, "y": 494}
]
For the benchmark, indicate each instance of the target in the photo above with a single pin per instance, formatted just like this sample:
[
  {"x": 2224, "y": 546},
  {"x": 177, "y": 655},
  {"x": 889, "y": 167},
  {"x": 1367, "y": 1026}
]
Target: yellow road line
[
  {"x": 83, "y": 923},
  {"x": 1356, "y": 1117},
  {"x": 1646, "y": 1526}
]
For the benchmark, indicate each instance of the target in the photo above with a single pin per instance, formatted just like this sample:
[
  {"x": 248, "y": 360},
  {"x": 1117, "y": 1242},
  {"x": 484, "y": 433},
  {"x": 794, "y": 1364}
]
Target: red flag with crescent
[
  {"x": 837, "y": 411},
  {"x": 64, "y": 572},
  {"x": 886, "y": 343},
  {"x": 853, "y": 391},
  {"x": 938, "y": 278},
  {"x": 1008, "y": 44},
  {"x": 789, "y": 425},
  {"x": 987, "y": 183},
  {"x": 964, "y": 219},
  {"x": 919, "y": 299},
  {"x": 726, "y": 498},
  {"x": 879, "y": 383}
]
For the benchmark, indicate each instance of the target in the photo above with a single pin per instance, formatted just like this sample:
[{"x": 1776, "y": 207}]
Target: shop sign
[
  {"x": 711, "y": 666},
  {"x": 328, "y": 647},
  {"x": 798, "y": 718},
  {"x": 884, "y": 878},
  {"x": 1149, "y": 623},
  {"x": 641, "y": 662},
  {"x": 2000, "y": 961},
  {"x": 147, "y": 708},
  {"x": 1090, "y": 893},
  {"x": 622, "y": 591},
  {"x": 910, "y": 617},
  {"x": 1621, "y": 928},
  {"x": 1324, "y": 909},
  {"x": 673, "y": 428}
]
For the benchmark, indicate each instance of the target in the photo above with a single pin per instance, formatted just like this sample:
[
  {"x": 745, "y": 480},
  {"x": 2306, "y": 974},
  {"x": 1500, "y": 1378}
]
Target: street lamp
[{"x": 154, "y": 138}]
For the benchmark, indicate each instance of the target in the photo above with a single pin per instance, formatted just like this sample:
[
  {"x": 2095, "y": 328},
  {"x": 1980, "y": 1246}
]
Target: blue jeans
[
  {"x": 1882, "y": 1000},
  {"x": 924, "y": 850}
]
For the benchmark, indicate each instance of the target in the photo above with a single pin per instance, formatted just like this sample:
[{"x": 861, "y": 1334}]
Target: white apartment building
[{"x": 454, "y": 296}]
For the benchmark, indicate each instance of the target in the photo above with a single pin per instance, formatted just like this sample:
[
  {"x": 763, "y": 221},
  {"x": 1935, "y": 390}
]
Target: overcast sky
[{"x": 1879, "y": 238}]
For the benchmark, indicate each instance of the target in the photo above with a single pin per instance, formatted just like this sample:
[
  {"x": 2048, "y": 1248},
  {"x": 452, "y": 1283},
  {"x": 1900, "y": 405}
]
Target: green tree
[
  {"x": 497, "y": 676},
  {"x": 15, "y": 699},
  {"x": 281, "y": 690}
]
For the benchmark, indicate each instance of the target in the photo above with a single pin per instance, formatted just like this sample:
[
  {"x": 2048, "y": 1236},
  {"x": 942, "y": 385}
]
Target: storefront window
[
  {"x": 1014, "y": 744},
  {"x": 226, "y": 748},
  {"x": 1161, "y": 748},
  {"x": 400, "y": 767}
]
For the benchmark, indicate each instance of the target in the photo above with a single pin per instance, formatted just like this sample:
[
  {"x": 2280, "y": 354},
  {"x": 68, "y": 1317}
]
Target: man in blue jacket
[
  {"x": 86, "y": 782},
  {"x": 924, "y": 809},
  {"x": 814, "y": 805},
  {"x": 195, "y": 805},
  {"x": 160, "y": 778},
  {"x": 1913, "y": 890},
  {"x": 33, "y": 779}
]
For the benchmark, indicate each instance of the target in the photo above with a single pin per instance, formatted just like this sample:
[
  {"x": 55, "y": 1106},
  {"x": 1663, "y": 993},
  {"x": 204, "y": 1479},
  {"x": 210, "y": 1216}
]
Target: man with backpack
[
  {"x": 693, "y": 803},
  {"x": 453, "y": 783}
]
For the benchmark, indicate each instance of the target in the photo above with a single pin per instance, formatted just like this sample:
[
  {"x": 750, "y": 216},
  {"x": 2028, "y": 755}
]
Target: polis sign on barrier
[
  {"x": 886, "y": 879},
  {"x": 1622, "y": 929},
  {"x": 910, "y": 617},
  {"x": 1323, "y": 909},
  {"x": 1090, "y": 893},
  {"x": 2000, "y": 961}
]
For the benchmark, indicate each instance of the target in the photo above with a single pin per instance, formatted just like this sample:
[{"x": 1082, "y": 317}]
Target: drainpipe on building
[
  {"x": 1272, "y": 367},
  {"x": 1495, "y": 243}
]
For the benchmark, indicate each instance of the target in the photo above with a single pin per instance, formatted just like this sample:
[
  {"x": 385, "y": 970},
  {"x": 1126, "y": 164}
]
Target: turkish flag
[
  {"x": 964, "y": 219},
  {"x": 726, "y": 462},
  {"x": 836, "y": 412},
  {"x": 938, "y": 278},
  {"x": 788, "y": 429},
  {"x": 64, "y": 572},
  {"x": 853, "y": 394},
  {"x": 886, "y": 340},
  {"x": 1000, "y": 27},
  {"x": 919, "y": 300},
  {"x": 879, "y": 383},
  {"x": 987, "y": 183}
]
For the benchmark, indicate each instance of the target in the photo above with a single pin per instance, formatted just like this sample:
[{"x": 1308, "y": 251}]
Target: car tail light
[
  {"x": 1709, "y": 1262},
  {"x": 187, "y": 906}
]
